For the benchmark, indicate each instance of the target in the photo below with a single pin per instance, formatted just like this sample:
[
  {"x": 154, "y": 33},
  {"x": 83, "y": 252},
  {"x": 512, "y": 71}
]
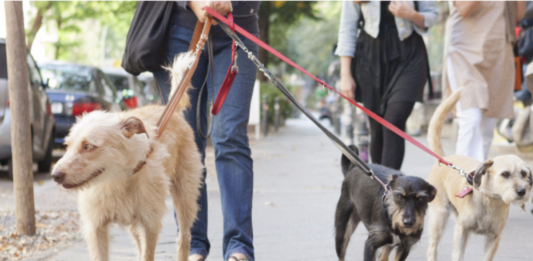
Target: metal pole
[{"x": 18, "y": 82}]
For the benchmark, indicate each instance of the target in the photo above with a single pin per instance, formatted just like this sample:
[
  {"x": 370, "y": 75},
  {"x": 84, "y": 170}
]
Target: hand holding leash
[{"x": 198, "y": 7}]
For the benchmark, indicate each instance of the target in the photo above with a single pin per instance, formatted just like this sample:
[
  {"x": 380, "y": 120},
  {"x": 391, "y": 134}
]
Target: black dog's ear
[
  {"x": 346, "y": 164},
  {"x": 354, "y": 149},
  {"x": 480, "y": 171},
  {"x": 432, "y": 192},
  {"x": 391, "y": 179}
]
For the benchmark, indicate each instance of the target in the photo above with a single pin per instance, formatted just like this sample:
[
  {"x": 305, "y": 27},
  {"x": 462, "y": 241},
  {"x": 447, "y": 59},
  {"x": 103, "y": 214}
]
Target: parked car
[
  {"x": 41, "y": 118},
  {"x": 135, "y": 92},
  {"x": 150, "y": 88},
  {"x": 76, "y": 89}
]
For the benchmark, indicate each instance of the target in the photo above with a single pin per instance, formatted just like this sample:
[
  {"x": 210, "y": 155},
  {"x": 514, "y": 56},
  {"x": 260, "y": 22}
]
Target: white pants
[{"x": 475, "y": 130}]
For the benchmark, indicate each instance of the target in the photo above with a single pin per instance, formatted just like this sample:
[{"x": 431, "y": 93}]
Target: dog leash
[
  {"x": 198, "y": 40},
  {"x": 200, "y": 36},
  {"x": 225, "y": 23},
  {"x": 351, "y": 155}
]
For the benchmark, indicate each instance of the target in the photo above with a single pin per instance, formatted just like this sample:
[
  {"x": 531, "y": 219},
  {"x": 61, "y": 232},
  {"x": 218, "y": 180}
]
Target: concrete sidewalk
[{"x": 297, "y": 185}]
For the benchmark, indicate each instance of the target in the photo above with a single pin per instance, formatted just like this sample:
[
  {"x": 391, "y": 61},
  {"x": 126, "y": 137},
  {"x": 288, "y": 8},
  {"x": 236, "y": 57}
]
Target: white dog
[
  {"x": 496, "y": 184},
  {"x": 123, "y": 173}
]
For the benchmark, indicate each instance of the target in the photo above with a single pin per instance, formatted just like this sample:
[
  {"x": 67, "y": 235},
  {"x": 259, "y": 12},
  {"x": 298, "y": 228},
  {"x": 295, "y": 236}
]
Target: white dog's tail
[
  {"x": 435, "y": 125},
  {"x": 181, "y": 63}
]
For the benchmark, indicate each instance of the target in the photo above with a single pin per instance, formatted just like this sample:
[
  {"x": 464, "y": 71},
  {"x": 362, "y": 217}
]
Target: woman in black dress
[{"x": 389, "y": 66}]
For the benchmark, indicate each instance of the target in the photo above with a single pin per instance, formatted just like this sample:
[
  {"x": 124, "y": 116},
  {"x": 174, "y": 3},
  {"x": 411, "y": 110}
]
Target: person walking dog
[
  {"x": 232, "y": 153},
  {"x": 385, "y": 66}
]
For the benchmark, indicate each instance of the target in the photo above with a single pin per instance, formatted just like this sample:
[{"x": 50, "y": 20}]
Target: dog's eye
[
  {"x": 506, "y": 174},
  {"x": 523, "y": 173},
  {"x": 421, "y": 198},
  {"x": 88, "y": 147},
  {"x": 399, "y": 197}
]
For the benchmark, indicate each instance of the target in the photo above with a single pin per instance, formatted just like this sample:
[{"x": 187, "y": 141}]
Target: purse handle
[{"x": 197, "y": 44}]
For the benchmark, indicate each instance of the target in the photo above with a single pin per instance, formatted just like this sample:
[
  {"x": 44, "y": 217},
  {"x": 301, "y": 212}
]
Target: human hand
[
  {"x": 348, "y": 86},
  {"x": 402, "y": 9},
  {"x": 198, "y": 7}
]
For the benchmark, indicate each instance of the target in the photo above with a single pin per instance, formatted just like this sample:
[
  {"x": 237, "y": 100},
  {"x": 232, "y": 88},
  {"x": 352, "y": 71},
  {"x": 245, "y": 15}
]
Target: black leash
[
  {"x": 354, "y": 158},
  {"x": 209, "y": 105}
]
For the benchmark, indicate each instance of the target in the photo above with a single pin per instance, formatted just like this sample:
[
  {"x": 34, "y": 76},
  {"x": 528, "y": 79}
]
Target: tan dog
[
  {"x": 123, "y": 174},
  {"x": 497, "y": 183}
]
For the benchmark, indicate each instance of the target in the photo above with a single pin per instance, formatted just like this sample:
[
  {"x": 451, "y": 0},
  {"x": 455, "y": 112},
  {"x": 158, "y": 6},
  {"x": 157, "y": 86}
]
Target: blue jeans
[{"x": 230, "y": 140}]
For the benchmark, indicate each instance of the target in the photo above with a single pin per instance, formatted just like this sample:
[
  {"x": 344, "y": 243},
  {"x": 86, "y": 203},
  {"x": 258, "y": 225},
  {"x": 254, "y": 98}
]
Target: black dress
[{"x": 388, "y": 70}]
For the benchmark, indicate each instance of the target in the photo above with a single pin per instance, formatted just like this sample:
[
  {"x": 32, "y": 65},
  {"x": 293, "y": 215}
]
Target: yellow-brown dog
[{"x": 497, "y": 183}]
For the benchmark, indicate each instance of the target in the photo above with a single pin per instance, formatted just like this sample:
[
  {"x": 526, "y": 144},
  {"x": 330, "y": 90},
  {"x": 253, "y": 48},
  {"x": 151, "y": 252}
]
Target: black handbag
[{"x": 147, "y": 40}]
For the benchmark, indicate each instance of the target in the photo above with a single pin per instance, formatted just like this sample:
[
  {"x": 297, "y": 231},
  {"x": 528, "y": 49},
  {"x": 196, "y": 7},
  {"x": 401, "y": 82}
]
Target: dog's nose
[
  {"x": 521, "y": 192},
  {"x": 408, "y": 222},
  {"x": 58, "y": 176}
]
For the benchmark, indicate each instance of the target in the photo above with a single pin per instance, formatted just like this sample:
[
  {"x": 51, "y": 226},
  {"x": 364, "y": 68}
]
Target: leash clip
[
  {"x": 235, "y": 68},
  {"x": 461, "y": 171}
]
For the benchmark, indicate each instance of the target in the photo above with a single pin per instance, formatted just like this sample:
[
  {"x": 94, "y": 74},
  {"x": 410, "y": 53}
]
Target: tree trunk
[
  {"x": 56, "y": 55},
  {"x": 36, "y": 25},
  {"x": 264, "y": 23},
  {"x": 20, "y": 118}
]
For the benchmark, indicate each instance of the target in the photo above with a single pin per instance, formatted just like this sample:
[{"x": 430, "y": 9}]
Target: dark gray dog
[{"x": 393, "y": 220}]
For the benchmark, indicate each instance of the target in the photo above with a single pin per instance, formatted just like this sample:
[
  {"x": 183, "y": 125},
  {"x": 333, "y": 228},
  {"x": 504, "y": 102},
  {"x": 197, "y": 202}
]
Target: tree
[
  {"x": 277, "y": 16},
  {"x": 66, "y": 18},
  {"x": 310, "y": 41},
  {"x": 37, "y": 20}
]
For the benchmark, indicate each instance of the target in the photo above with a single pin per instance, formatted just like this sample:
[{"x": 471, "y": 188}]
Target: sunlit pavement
[{"x": 297, "y": 185}]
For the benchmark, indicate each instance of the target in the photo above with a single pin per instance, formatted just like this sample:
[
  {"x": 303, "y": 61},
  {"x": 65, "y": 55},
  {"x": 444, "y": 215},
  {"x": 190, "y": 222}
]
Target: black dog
[{"x": 393, "y": 220}]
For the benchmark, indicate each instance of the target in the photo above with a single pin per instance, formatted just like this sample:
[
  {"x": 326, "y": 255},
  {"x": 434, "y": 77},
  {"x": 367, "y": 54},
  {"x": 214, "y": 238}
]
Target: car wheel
[
  {"x": 10, "y": 169},
  {"x": 45, "y": 164}
]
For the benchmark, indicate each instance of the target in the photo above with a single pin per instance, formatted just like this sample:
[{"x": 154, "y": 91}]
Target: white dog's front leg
[
  {"x": 459, "y": 241},
  {"x": 491, "y": 245},
  {"x": 98, "y": 240}
]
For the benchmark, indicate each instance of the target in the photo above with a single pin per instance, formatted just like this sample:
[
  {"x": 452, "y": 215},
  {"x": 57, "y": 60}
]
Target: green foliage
[
  {"x": 311, "y": 41},
  {"x": 284, "y": 14},
  {"x": 77, "y": 23},
  {"x": 274, "y": 19},
  {"x": 273, "y": 92}
]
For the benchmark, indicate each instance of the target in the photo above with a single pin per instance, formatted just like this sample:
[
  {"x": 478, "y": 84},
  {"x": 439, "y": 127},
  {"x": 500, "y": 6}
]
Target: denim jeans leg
[
  {"x": 232, "y": 152},
  {"x": 179, "y": 42}
]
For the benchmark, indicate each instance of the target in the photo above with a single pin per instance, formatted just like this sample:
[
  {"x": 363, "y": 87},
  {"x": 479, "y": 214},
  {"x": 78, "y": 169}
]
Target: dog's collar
[
  {"x": 141, "y": 163},
  {"x": 470, "y": 178}
]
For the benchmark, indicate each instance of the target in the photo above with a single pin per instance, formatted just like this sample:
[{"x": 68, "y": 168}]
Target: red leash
[
  {"x": 376, "y": 117},
  {"x": 230, "y": 75}
]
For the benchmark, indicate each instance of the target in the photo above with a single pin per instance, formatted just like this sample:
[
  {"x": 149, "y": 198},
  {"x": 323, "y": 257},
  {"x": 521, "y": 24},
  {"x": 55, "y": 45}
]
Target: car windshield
[
  {"x": 68, "y": 77},
  {"x": 120, "y": 82}
]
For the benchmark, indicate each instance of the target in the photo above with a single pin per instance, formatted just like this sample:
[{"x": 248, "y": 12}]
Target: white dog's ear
[
  {"x": 480, "y": 171},
  {"x": 131, "y": 126}
]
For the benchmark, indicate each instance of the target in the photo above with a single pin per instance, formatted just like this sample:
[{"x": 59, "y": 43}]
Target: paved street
[{"x": 297, "y": 185}]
